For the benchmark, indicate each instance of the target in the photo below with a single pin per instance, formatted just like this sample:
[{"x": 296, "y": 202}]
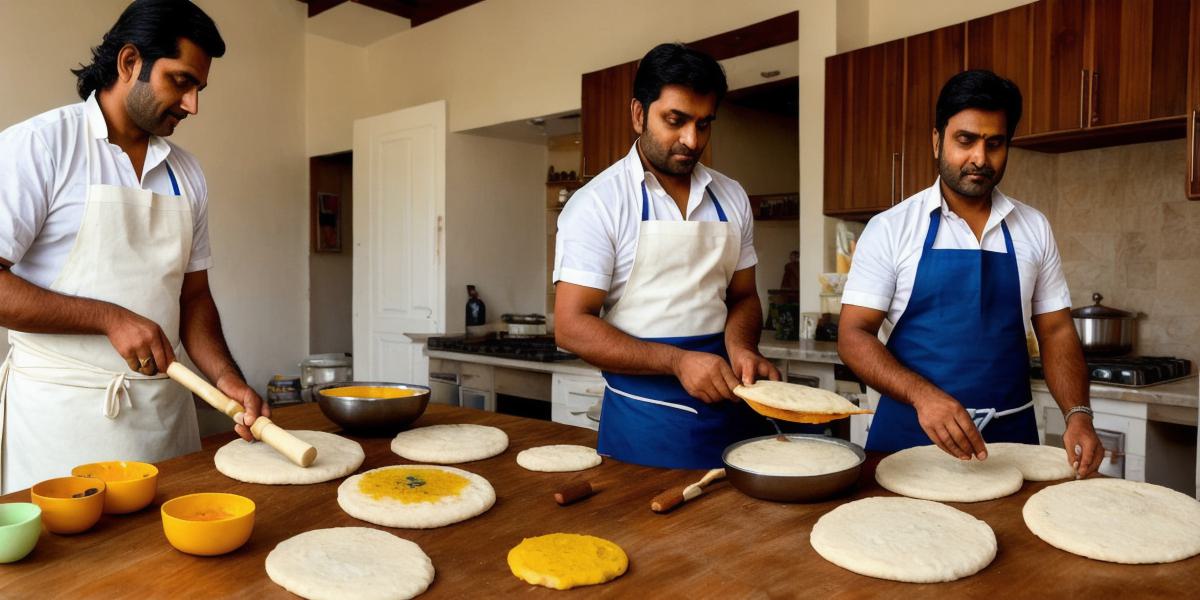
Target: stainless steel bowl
[
  {"x": 793, "y": 488},
  {"x": 370, "y": 415}
]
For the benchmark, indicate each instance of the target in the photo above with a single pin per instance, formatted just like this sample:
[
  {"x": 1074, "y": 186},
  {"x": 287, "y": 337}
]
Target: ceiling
[{"x": 418, "y": 12}]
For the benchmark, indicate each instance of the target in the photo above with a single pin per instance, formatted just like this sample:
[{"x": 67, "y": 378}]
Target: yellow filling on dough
[
  {"x": 565, "y": 560},
  {"x": 368, "y": 392},
  {"x": 411, "y": 486}
]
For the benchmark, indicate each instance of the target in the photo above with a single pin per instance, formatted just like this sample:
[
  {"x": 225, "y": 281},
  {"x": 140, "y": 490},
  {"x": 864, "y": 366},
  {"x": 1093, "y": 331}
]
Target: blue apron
[
  {"x": 963, "y": 330},
  {"x": 650, "y": 419}
]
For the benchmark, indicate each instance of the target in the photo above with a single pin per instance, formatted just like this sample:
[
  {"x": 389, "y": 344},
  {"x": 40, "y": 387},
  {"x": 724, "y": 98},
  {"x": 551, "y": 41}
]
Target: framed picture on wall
[{"x": 327, "y": 214}]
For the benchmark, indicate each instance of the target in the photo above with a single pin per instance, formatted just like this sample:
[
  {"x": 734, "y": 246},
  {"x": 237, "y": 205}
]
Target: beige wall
[
  {"x": 762, "y": 152},
  {"x": 1125, "y": 229},
  {"x": 249, "y": 137},
  {"x": 495, "y": 211},
  {"x": 335, "y": 85}
]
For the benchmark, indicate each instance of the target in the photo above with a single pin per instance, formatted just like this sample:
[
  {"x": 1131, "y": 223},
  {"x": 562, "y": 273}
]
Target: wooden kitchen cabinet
[
  {"x": 604, "y": 116},
  {"x": 1001, "y": 43},
  {"x": 1193, "y": 104},
  {"x": 864, "y": 127},
  {"x": 1057, "y": 96},
  {"x": 1138, "y": 70},
  {"x": 930, "y": 59}
]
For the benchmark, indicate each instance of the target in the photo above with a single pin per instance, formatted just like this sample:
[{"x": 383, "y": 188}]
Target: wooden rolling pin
[
  {"x": 292, "y": 447},
  {"x": 671, "y": 498}
]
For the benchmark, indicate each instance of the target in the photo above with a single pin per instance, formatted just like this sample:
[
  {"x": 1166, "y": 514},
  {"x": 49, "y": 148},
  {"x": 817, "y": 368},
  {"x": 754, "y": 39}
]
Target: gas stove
[
  {"x": 539, "y": 348},
  {"x": 1129, "y": 371}
]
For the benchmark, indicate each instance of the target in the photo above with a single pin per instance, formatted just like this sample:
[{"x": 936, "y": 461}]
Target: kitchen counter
[
  {"x": 723, "y": 544},
  {"x": 799, "y": 350},
  {"x": 569, "y": 367},
  {"x": 1184, "y": 393}
]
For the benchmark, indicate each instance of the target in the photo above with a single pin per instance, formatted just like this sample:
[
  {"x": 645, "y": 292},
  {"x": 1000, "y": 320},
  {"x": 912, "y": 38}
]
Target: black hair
[
  {"x": 676, "y": 64},
  {"x": 980, "y": 89},
  {"x": 154, "y": 28}
]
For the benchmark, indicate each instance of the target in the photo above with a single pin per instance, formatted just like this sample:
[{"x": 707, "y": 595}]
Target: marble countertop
[
  {"x": 800, "y": 350},
  {"x": 1184, "y": 393}
]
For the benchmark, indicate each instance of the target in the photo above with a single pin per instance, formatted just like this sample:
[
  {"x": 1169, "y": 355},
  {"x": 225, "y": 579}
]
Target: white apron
[
  {"x": 676, "y": 296},
  {"x": 66, "y": 400}
]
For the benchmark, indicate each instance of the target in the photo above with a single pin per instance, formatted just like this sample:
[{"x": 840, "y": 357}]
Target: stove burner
[
  {"x": 539, "y": 348},
  {"x": 1133, "y": 371}
]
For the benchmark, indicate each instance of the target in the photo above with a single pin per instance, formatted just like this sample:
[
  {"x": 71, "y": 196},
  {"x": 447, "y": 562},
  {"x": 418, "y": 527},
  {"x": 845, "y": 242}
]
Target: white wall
[
  {"x": 495, "y": 211},
  {"x": 249, "y": 137}
]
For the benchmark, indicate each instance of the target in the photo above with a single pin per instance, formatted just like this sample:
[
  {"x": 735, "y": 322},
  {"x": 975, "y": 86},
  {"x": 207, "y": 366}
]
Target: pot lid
[{"x": 1099, "y": 311}]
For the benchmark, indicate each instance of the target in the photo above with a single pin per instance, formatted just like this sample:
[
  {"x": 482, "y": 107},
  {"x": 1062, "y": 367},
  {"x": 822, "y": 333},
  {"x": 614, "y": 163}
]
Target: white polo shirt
[
  {"x": 44, "y": 179},
  {"x": 884, "y": 267},
  {"x": 598, "y": 228}
]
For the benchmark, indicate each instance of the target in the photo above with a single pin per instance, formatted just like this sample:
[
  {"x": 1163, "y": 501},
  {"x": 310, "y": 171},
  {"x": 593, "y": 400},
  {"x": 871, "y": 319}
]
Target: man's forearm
[
  {"x": 32, "y": 309},
  {"x": 609, "y": 348},
  {"x": 743, "y": 325},
  {"x": 868, "y": 358},
  {"x": 1065, "y": 369},
  {"x": 200, "y": 331}
]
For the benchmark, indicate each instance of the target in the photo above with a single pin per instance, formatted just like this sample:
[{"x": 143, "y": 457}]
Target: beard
[
  {"x": 143, "y": 110},
  {"x": 664, "y": 157},
  {"x": 958, "y": 179}
]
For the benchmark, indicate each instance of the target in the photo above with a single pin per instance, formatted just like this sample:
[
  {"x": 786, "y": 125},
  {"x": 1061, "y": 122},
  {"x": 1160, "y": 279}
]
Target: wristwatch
[{"x": 1087, "y": 410}]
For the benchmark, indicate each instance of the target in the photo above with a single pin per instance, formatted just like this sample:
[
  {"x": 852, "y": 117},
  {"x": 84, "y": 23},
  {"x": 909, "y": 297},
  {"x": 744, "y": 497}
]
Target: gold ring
[{"x": 142, "y": 362}]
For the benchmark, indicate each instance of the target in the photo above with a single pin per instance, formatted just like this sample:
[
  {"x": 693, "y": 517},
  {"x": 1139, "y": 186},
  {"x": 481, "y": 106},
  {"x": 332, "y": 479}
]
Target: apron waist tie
[
  {"x": 652, "y": 400},
  {"x": 983, "y": 416},
  {"x": 60, "y": 369}
]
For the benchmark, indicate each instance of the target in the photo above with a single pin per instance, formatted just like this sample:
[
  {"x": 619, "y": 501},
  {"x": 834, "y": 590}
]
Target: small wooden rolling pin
[
  {"x": 671, "y": 498},
  {"x": 295, "y": 449}
]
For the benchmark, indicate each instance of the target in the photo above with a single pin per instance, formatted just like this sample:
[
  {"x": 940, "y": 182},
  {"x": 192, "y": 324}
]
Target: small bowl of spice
[
  {"x": 208, "y": 524},
  {"x": 131, "y": 485},
  {"x": 69, "y": 504}
]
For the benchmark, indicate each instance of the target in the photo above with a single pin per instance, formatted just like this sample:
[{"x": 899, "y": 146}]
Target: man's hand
[
  {"x": 705, "y": 376},
  {"x": 140, "y": 341},
  {"x": 947, "y": 423},
  {"x": 233, "y": 386},
  {"x": 750, "y": 366},
  {"x": 1080, "y": 434}
]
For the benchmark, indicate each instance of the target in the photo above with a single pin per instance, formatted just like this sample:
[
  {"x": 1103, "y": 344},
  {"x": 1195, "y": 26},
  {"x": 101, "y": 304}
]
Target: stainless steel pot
[
  {"x": 1104, "y": 331},
  {"x": 793, "y": 488}
]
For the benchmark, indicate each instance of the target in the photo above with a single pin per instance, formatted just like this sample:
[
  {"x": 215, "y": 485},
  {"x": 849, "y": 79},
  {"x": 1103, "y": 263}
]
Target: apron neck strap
[
  {"x": 646, "y": 203},
  {"x": 935, "y": 221}
]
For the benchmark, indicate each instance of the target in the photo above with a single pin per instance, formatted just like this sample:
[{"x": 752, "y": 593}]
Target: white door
[{"x": 399, "y": 250}]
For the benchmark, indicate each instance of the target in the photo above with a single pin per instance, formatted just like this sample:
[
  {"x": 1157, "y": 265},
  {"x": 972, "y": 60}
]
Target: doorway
[{"x": 331, "y": 253}]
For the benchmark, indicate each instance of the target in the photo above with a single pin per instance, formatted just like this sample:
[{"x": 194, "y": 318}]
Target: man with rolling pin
[{"x": 104, "y": 255}]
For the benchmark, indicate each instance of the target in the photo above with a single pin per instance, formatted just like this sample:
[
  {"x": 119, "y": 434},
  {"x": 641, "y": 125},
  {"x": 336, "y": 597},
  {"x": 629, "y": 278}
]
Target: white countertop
[
  {"x": 1183, "y": 393},
  {"x": 801, "y": 350}
]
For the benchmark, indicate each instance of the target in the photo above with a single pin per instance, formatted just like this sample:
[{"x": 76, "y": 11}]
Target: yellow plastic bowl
[
  {"x": 131, "y": 485},
  {"x": 63, "y": 513},
  {"x": 208, "y": 524}
]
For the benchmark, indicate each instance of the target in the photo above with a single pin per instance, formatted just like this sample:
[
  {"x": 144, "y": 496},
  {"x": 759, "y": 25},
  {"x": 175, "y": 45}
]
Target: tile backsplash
[{"x": 1125, "y": 229}]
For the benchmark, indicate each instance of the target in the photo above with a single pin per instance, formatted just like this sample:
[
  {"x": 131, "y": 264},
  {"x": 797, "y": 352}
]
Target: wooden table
[{"x": 723, "y": 544}]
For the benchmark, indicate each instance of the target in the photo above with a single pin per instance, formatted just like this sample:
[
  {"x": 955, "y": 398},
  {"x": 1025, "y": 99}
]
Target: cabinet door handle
[
  {"x": 593, "y": 392},
  {"x": 1192, "y": 149},
  {"x": 900, "y": 196},
  {"x": 437, "y": 240},
  {"x": 1082, "y": 83},
  {"x": 892, "y": 195},
  {"x": 1092, "y": 110}
]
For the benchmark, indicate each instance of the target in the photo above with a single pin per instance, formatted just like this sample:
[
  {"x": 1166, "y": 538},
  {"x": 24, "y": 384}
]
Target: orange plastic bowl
[
  {"x": 66, "y": 507},
  {"x": 131, "y": 485},
  {"x": 208, "y": 524}
]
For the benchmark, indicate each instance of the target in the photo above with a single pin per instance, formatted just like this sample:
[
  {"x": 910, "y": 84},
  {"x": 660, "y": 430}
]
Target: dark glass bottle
[{"x": 476, "y": 311}]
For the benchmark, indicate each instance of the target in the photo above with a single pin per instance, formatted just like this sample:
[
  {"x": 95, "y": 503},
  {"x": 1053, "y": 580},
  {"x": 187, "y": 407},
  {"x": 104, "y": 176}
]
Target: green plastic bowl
[{"x": 20, "y": 526}]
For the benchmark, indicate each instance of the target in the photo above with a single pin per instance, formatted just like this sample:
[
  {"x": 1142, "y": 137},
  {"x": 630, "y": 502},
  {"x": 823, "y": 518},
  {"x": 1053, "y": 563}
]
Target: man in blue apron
[
  {"x": 663, "y": 247},
  {"x": 957, "y": 270},
  {"x": 104, "y": 256}
]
